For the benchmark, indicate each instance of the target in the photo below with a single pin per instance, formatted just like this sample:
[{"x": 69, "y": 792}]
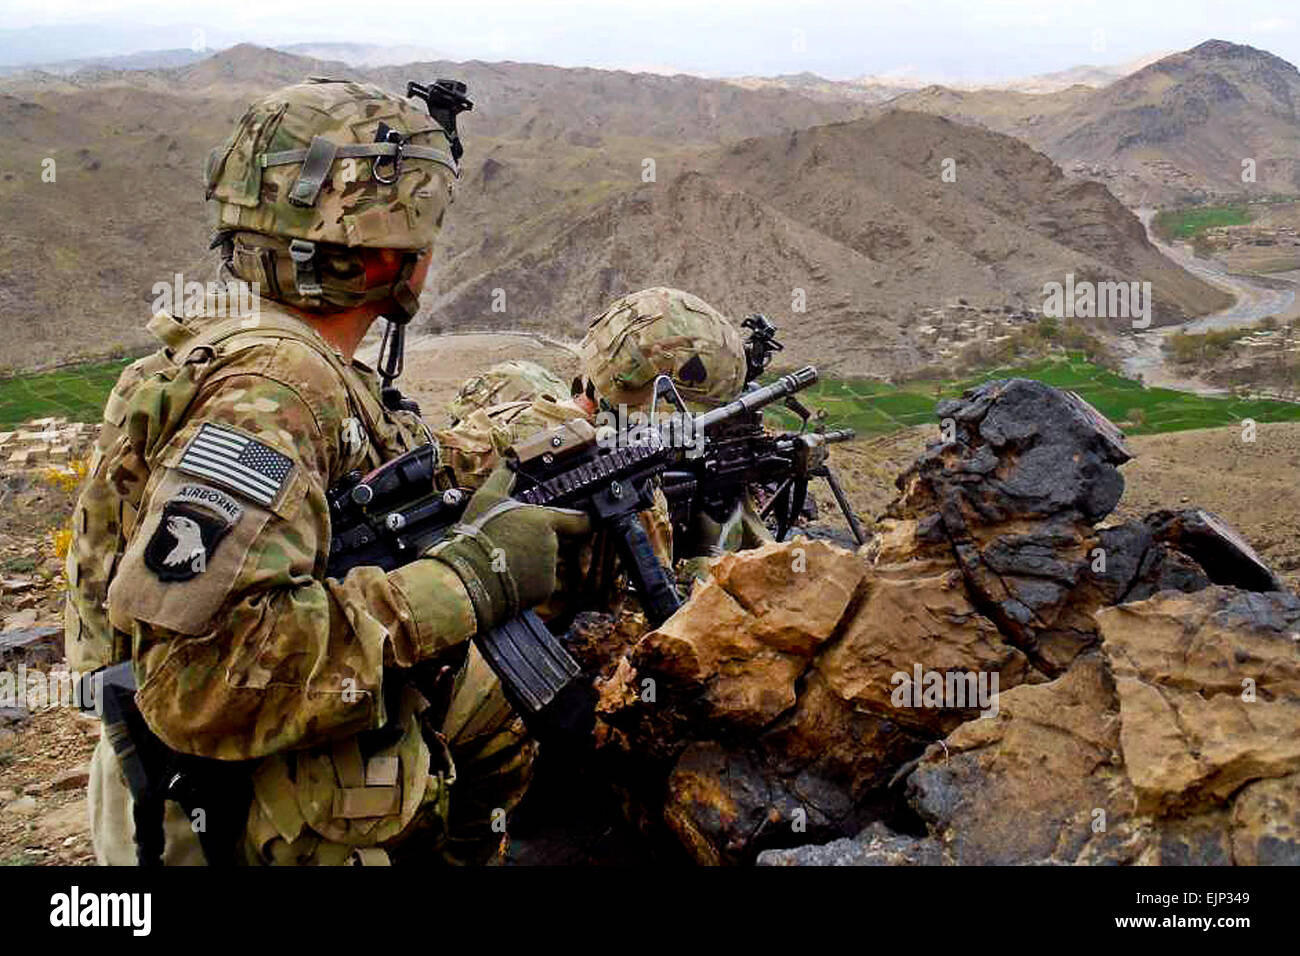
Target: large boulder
[
  {"x": 1016, "y": 448},
  {"x": 1041, "y": 783},
  {"x": 996, "y": 668},
  {"x": 1176, "y": 743},
  {"x": 1208, "y": 688},
  {"x": 784, "y": 699}
]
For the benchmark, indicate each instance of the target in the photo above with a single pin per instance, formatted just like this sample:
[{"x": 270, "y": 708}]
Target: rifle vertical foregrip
[{"x": 654, "y": 585}]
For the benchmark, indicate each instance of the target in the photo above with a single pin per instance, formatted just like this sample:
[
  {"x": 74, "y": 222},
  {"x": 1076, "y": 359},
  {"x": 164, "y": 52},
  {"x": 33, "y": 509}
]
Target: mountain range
[{"x": 580, "y": 184}]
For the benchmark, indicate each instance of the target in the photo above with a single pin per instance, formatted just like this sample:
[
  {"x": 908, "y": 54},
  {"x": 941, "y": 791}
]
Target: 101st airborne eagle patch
[
  {"x": 188, "y": 534},
  {"x": 183, "y": 543},
  {"x": 235, "y": 461}
]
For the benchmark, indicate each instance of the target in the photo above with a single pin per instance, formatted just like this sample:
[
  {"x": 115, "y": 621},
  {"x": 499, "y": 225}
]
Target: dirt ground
[
  {"x": 1255, "y": 486},
  {"x": 43, "y": 789}
]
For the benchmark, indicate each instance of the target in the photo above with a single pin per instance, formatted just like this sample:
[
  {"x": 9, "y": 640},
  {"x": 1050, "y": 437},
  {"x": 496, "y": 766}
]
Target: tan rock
[
  {"x": 1209, "y": 692},
  {"x": 773, "y": 583},
  {"x": 902, "y": 541},
  {"x": 748, "y": 632},
  {"x": 74, "y": 779},
  {"x": 709, "y": 628},
  {"x": 21, "y": 619},
  {"x": 755, "y": 691},
  {"x": 618, "y": 691},
  {"x": 827, "y": 736},
  {"x": 1040, "y": 782},
  {"x": 1266, "y": 823},
  {"x": 911, "y": 617},
  {"x": 23, "y": 806}
]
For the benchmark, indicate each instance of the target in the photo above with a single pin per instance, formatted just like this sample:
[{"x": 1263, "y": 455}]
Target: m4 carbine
[{"x": 394, "y": 514}]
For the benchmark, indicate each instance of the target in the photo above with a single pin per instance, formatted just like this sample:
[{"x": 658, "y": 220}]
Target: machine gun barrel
[{"x": 749, "y": 401}]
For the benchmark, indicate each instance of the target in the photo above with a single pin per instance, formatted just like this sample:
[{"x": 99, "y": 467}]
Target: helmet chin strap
[{"x": 392, "y": 348}]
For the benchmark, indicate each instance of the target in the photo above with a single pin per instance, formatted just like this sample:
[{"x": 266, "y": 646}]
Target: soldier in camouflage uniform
[
  {"x": 202, "y": 533},
  {"x": 636, "y": 338},
  {"x": 513, "y": 381},
  {"x": 663, "y": 331}
]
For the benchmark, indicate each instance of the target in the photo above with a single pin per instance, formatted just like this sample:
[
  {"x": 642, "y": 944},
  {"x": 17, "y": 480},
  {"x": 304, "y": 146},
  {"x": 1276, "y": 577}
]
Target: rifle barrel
[{"x": 748, "y": 401}]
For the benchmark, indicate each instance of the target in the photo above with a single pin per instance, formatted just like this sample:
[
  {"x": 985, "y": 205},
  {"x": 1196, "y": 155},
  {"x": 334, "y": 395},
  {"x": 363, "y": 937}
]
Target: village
[{"x": 45, "y": 443}]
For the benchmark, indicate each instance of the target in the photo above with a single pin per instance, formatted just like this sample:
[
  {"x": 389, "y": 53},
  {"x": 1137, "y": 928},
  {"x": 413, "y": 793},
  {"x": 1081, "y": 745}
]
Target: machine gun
[
  {"x": 392, "y": 515},
  {"x": 746, "y": 456},
  {"x": 742, "y": 455},
  {"x": 396, "y": 512}
]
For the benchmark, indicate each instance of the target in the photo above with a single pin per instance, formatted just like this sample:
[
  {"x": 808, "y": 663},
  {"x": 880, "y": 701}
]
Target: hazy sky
[{"x": 954, "y": 39}]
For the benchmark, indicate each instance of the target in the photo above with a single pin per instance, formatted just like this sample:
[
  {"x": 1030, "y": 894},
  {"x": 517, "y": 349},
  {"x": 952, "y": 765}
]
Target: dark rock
[
  {"x": 1164, "y": 569},
  {"x": 1053, "y": 453},
  {"x": 1123, "y": 549},
  {"x": 1222, "y": 553},
  {"x": 724, "y": 807},
  {"x": 874, "y": 846},
  {"x": 33, "y": 646}
]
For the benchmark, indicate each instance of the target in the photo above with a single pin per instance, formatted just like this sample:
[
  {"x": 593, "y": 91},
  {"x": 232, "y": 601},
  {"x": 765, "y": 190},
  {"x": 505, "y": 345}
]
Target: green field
[
  {"x": 1189, "y": 223},
  {"x": 875, "y": 408},
  {"x": 870, "y": 406},
  {"x": 76, "y": 393}
]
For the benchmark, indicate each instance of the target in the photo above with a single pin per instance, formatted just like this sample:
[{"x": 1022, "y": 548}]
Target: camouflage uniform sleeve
[{"x": 242, "y": 646}]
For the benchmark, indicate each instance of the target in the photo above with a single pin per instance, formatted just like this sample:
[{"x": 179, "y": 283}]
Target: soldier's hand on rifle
[{"x": 506, "y": 551}]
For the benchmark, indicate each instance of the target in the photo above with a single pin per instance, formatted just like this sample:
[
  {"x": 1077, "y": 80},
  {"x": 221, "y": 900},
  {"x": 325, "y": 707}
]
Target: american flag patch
[{"x": 238, "y": 462}]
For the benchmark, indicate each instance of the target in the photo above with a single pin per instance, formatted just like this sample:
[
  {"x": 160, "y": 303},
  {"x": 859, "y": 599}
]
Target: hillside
[
  {"x": 126, "y": 208},
  {"x": 1201, "y": 112},
  {"x": 756, "y": 192},
  {"x": 879, "y": 89},
  {"x": 1175, "y": 131},
  {"x": 854, "y": 214}
]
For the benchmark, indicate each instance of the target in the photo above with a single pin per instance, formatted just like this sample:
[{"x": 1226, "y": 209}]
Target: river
[{"x": 1142, "y": 352}]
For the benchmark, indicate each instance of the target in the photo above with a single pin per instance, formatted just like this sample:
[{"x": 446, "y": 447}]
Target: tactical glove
[{"x": 505, "y": 552}]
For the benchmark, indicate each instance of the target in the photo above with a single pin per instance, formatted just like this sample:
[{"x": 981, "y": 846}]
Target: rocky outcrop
[
  {"x": 1208, "y": 688},
  {"x": 1175, "y": 744},
  {"x": 998, "y": 677},
  {"x": 874, "y": 846}
]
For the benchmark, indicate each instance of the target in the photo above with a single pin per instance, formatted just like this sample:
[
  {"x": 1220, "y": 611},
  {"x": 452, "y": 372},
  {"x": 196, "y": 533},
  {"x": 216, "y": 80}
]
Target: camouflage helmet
[
  {"x": 663, "y": 331},
  {"x": 514, "y": 381},
  {"x": 329, "y": 166}
]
